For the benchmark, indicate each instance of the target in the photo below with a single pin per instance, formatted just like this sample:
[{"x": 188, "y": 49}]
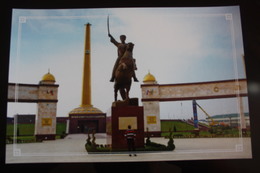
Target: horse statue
[{"x": 124, "y": 73}]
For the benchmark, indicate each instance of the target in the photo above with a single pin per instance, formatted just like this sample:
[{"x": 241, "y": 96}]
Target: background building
[{"x": 232, "y": 120}]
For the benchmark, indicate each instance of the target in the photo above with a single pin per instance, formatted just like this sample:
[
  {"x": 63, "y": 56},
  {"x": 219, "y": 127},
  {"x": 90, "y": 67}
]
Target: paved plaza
[{"x": 72, "y": 149}]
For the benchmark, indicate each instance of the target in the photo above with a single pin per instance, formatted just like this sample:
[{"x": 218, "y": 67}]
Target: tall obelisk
[
  {"x": 86, "y": 82},
  {"x": 86, "y": 117}
]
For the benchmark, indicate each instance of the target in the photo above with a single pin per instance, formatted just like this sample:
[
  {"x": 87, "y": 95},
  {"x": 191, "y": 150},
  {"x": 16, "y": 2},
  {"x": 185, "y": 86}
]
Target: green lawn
[
  {"x": 175, "y": 126},
  {"x": 179, "y": 126},
  {"x": 28, "y": 129},
  {"x": 60, "y": 128},
  {"x": 22, "y": 130}
]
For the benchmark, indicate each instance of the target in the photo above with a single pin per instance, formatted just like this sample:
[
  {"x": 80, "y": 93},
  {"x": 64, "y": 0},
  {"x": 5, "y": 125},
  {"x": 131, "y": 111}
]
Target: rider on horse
[{"x": 121, "y": 48}]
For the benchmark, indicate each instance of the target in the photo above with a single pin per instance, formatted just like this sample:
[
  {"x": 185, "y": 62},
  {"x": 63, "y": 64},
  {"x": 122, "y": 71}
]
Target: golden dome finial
[
  {"x": 48, "y": 77},
  {"x": 149, "y": 78}
]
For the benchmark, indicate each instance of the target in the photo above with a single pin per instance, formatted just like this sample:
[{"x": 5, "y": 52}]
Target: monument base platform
[{"x": 117, "y": 123}]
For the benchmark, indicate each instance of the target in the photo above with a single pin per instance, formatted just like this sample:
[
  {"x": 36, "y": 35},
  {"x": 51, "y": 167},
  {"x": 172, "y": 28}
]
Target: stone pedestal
[{"x": 118, "y": 119}]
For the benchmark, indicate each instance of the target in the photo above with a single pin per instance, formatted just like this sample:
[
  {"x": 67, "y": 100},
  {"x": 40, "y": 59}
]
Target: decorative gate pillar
[
  {"x": 45, "y": 94},
  {"x": 150, "y": 89}
]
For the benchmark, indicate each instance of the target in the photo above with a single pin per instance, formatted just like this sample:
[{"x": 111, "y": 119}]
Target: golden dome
[
  {"x": 149, "y": 78},
  {"x": 86, "y": 109},
  {"x": 48, "y": 77}
]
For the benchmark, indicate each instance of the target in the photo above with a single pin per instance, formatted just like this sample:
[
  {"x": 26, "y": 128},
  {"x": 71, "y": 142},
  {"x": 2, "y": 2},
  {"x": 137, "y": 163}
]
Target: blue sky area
[{"x": 177, "y": 45}]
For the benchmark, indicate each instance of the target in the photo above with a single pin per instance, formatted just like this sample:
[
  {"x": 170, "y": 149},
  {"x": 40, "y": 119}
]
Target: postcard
[{"x": 127, "y": 85}]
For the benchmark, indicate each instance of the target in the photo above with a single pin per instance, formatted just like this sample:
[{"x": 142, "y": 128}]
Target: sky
[{"x": 177, "y": 45}]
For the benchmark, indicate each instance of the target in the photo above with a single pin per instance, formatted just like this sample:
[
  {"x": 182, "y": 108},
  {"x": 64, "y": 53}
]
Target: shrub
[
  {"x": 147, "y": 141},
  {"x": 171, "y": 145},
  {"x": 155, "y": 147},
  {"x": 88, "y": 140}
]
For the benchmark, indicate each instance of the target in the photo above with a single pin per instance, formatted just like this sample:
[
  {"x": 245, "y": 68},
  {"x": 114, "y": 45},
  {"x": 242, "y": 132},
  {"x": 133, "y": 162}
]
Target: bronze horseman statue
[
  {"x": 121, "y": 49},
  {"x": 124, "y": 67}
]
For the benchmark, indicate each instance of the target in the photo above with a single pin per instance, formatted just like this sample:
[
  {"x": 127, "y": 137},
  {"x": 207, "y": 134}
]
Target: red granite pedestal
[{"x": 117, "y": 122}]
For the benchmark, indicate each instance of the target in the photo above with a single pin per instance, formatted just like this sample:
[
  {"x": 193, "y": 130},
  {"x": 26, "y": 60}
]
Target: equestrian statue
[{"x": 124, "y": 67}]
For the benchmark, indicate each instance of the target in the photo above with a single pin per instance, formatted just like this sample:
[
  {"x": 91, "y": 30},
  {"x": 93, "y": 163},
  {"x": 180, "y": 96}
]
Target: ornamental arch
[
  {"x": 154, "y": 93},
  {"x": 45, "y": 95}
]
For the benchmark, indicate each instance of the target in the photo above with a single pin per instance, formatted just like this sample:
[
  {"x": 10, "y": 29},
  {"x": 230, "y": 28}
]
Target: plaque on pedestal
[{"x": 117, "y": 123}]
